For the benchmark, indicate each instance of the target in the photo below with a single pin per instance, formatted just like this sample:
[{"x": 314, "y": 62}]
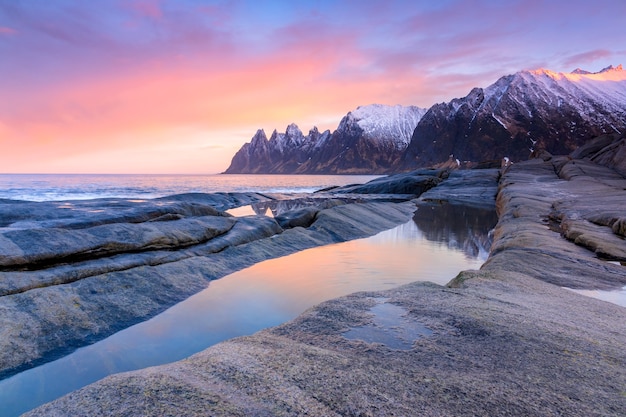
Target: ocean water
[{"x": 54, "y": 187}]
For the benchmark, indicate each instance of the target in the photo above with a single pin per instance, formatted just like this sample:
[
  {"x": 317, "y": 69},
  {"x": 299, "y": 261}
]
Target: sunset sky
[{"x": 177, "y": 86}]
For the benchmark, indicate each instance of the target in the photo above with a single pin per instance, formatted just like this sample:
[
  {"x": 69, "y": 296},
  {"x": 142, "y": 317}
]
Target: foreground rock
[
  {"x": 500, "y": 341},
  {"x": 540, "y": 202},
  {"x": 75, "y": 272}
]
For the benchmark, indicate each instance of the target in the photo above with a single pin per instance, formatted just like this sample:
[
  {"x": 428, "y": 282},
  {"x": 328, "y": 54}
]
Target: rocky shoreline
[
  {"x": 504, "y": 340},
  {"x": 70, "y": 278}
]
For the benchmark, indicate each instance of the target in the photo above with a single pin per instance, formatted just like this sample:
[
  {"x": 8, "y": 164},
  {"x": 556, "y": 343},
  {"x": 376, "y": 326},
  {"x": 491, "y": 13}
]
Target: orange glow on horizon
[{"x": 158, "y": 107}]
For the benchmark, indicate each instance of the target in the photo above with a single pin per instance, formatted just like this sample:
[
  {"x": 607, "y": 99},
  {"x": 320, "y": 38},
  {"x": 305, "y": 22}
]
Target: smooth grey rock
[
  {"x": 472, "y": 187},
  {"x": 282, "y": 209},
  {"x": 303, "y": 217},
  {"x": 537, "y": 209},
  {"x": 413, "y": 183},
  {"x": 31, "y": 247},
  {"x": 80, "y": 214},
  {"x": 606, "y": 150},
  {"x": 498, "y": 346}
]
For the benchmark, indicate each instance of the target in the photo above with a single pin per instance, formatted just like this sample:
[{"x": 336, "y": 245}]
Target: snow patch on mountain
[
  {"x": 585, "y": 91},
  {"x": 388, "y": 124},
  {"x": 606, "y": 87}
]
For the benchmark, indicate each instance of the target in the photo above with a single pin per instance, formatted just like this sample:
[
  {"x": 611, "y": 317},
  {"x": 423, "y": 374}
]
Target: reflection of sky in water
[
  {"x": 389, "y": 326},
  {"x": 264, "y": 295},
  {"x": 249, "y": 210},
  {"x": 616, "y": 296}
]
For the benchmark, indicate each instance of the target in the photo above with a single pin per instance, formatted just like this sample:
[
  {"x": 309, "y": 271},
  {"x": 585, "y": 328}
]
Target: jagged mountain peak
[
  {"x": 283, "y": 153},
  {"x": 293, "y": 130},
  {"x": 612, "y": 68},
  {"x": 609, "y": 73},
  {"x": 292, "y": 137},
  {"x": 603, "y": 70},
  {"x": 368, "y": 139},
  {"x": 259, "y": 136},
  {"x": 554, "y": 88}
]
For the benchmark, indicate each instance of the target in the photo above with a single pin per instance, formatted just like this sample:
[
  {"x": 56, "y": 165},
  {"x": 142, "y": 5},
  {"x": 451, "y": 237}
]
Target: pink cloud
[
  {"x": 148, "y": 8},
  {"x": 587, "y": 57},
  {"x": 7, "y": 31},
  {"x": 132, "y": 108}
]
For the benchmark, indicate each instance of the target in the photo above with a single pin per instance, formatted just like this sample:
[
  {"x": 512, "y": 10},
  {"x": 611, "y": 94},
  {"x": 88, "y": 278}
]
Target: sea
[{"x": 57, "y": 187}]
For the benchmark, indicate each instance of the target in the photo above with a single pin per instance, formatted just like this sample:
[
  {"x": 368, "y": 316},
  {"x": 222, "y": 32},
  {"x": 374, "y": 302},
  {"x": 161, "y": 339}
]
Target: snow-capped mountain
[
  {"x": 369, "y": 139},
  {"x": 520, "y": 113}
]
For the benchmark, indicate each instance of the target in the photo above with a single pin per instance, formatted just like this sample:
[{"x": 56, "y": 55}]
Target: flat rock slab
[
  {"x": 77, "y": 214},
  {"x": 37, "y": 247},
  {"x": 476, "y": 187}
]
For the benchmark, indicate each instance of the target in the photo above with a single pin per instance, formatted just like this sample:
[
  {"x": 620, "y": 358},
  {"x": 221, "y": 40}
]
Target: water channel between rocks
[{"x": 434, "y": 246}]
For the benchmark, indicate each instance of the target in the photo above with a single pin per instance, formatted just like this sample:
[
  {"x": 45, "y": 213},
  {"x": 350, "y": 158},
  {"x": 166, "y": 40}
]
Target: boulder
[{"x": 413, "y": 183}]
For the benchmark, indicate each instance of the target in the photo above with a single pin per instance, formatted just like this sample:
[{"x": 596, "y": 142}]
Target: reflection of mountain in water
[
  {"x": 278, "y": 207},
  {"x": 461, "y": 227}
]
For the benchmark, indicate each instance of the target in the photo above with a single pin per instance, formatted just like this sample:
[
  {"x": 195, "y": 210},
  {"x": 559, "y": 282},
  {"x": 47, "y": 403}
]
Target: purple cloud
[{"x": 587, "y": 57}]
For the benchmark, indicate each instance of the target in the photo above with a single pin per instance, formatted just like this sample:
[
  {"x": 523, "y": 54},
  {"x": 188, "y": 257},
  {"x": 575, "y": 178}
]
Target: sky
[{"x": 178, "y": 86}]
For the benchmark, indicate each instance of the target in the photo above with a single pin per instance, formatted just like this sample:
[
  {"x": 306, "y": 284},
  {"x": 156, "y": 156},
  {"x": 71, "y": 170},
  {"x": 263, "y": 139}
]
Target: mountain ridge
[
  {"x": 369, "y": 139},
  {"x": 519, "y": 114}
]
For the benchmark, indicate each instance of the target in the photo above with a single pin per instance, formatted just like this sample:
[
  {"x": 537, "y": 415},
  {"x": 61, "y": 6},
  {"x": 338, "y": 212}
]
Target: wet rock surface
[{"x": 504, "y": 340}]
